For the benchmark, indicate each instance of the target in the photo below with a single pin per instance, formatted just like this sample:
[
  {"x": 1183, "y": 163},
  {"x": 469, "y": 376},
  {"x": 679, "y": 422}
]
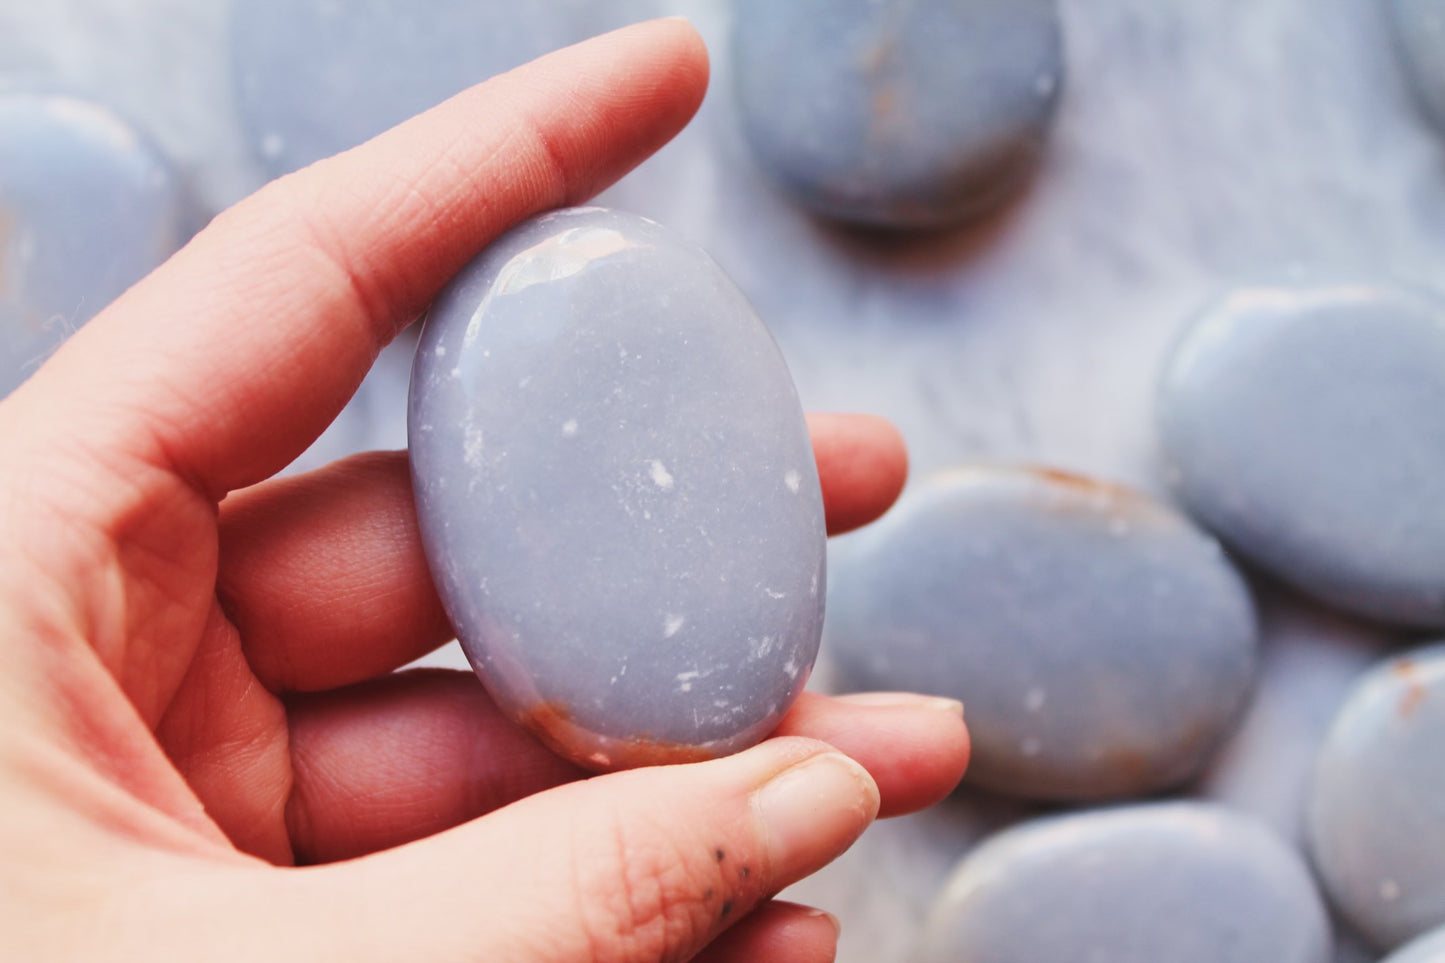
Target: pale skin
[{"x": 205, "y": 752}]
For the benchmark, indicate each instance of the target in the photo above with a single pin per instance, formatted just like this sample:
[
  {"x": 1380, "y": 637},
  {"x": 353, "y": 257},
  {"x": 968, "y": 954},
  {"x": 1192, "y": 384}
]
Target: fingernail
[
  {"x": 812, "y": 812},
  {"x": 837, "y": 924},
  {"x": 904, "y": 700}
]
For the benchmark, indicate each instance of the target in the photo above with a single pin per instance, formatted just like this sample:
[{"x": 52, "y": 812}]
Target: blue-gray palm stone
[
  {"x": 617, "y": 492},
  {"x": 1419, "y": 27},
  {"x": 316, "y": 77},
  {"x": 1176, "y": 882},
  {"x": 1376, "y": 819},
  {"x": 87, "y": 208},
  {"x": 1429, "y": 948},
  {"x": 1102, "y": 645},
  {"x": 898, "y": 113},
  {"x": 1305, "y": 425}
]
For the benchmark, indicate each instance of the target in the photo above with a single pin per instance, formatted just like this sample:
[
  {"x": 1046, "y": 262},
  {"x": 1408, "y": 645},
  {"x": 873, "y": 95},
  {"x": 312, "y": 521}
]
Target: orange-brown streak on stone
[
  {"x": 551, "y": 722},
  {"x": 1091, "y": 486},
  {"x": 1415, "y": 692}
]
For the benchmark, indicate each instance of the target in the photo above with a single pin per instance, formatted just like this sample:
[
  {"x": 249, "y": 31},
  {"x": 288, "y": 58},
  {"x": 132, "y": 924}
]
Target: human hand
[{"x": 199, "y": 689}]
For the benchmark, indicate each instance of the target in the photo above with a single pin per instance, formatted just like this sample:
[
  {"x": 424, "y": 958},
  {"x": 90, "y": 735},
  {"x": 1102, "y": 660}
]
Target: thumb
[{"x": 634, "y": 866}]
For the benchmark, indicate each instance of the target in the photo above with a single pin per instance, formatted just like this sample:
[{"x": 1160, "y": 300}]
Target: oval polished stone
[
  {"x": 1376, "y": 819},
  {"x": 897, "y": 113},
  {"x": 1182, "y": 882},
  {"x": 617, "y": 492},
  {"x": 1419, "y": 27},
  {"x": 1305, "y": 425},
  {"x": 1429, "y": 948},
  {"x": 1102, "y": 645},
  {"x": 316, "y": 77},
  {"x": 87, "y": 208}
]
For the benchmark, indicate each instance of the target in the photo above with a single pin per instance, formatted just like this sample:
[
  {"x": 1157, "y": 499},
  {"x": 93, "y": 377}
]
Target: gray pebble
[
  {"x": 1376, "y": 819},
  {"x": 87, "y": 208},
  {"x": 1102, "y": 646},
  {"x": 316, "y": 77},
  {"x": 1429, "y": 948},
  {"x": 1419, "y": 27},
  {"x": 897, "y": 113},
  {"x": 1305, "y": 425},
  {"x": 1177, "y": 882},
  {"x": 617, "y": 492}
]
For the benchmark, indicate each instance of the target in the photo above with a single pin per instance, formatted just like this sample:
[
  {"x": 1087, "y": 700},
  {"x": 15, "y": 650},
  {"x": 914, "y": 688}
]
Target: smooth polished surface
[
  {"x": 1102, "y": 645},
  {"x": 1182, "y": 882},
  {"x": 1305, "y": 425},
  {"x": 1376, "y": 817},
  {"x": 315, "y": 77},
  {"x": 87, "y": 208},
  {"x": 617, "y": 492},
  {"x": 899, "y": 113}
]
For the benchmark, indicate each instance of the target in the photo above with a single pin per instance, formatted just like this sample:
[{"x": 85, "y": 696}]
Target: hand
[{"x": 199, "y": 689}]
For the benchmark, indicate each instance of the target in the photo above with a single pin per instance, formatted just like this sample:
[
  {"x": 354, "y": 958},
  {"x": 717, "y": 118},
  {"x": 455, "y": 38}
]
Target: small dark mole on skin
[
  {"x": 746, "y": 872},
  {"x": 707, "y": 896},
  {"x": 720, "y": 855},
  {"x": 727, "y": 908}
]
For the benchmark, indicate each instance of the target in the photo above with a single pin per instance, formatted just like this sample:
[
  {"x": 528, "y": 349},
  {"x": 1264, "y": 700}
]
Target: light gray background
[{"x": 1197, "y": 143}]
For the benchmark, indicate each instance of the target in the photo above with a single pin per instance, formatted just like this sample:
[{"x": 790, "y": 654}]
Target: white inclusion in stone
[
  {"x": 1389, "y": 891},
  {"x": 661, "y": 477},
  {"x": 272, "y": 145},
  {"x": 793, "y": 480},
  {"x": 791, "y": 667},
  {"x": 441, "y": 351},
  {"x": 472, "y": 446},
  {"x": 774, "y": 595},
  {"x": 569, "y": 427},
  {"x": 672, "y": 624},
  {"x": 1034, "y": 699},
  {"x": 1031, "y": 746}
]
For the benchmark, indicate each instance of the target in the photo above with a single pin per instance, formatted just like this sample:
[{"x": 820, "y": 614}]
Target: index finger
[{"x": 227, "y": 361}]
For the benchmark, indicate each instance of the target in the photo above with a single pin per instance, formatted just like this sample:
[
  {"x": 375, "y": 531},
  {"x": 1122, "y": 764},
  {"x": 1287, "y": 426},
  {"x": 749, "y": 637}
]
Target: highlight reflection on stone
[{"x": 617, "y": 492}]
